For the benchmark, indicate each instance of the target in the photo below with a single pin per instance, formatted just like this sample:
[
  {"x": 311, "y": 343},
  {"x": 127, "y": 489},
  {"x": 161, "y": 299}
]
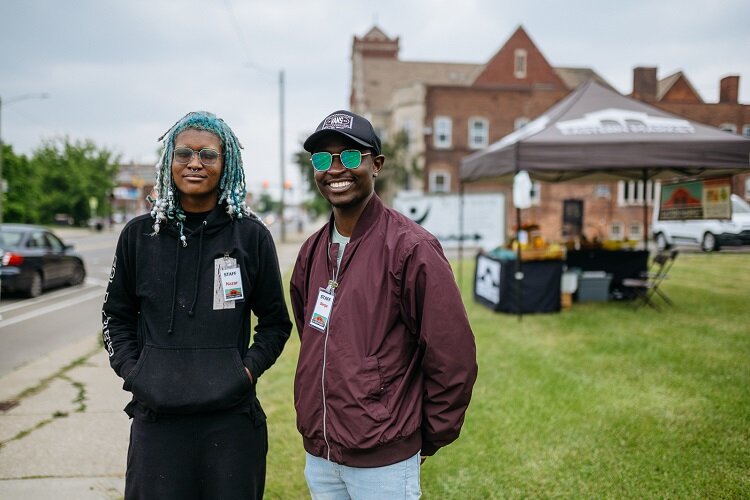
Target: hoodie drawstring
[
  {"x": 191, "y": 312},
  {"x": 174, "y": 287}
]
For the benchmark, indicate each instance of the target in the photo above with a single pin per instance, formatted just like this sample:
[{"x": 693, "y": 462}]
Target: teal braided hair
[{"x": 231, "y": 189}]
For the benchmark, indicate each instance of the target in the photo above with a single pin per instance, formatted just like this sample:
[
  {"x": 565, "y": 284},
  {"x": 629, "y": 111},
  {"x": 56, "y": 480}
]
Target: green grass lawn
[{"x": 602, "y": 401}]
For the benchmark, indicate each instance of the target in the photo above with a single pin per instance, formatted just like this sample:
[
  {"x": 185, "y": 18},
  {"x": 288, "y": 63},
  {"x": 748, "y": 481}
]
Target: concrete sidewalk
[{"x": 63, "y": 434}]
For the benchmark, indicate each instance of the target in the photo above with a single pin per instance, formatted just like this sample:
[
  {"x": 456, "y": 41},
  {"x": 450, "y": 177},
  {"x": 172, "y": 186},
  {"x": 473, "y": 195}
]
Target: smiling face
[
  {"x": 197, "y": 184},
  {"x": 347, "y": 190}
]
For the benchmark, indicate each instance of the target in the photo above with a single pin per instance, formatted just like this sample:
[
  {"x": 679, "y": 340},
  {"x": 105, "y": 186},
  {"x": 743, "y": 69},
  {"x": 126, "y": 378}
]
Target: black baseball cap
[{"x": 351, "y": 125}]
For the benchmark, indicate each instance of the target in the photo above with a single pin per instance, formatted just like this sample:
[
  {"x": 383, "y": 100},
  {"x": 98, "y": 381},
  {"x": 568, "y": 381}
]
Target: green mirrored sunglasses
[{"x": 350, "y": 158}]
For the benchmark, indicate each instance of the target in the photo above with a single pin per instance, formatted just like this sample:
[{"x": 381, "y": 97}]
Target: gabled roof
[
  {"x": 679, "y": 87},
  {"x": 499, "y": 70},
  {"x": 573, "y": 77},
  {"x": 375, "y": 34}
]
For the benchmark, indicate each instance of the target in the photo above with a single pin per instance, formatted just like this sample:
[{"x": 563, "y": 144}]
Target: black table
[
  {"x": 620, "y": 264},
  {"x": 495, "y": 284}
]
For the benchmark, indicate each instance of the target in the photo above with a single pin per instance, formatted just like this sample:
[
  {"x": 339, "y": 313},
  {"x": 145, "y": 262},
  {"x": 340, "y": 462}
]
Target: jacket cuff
[{"x": 249, "y": 365}]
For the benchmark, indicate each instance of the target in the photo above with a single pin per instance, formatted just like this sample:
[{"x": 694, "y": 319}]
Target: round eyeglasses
[
  {"x": 207, "y": 156},
  {"x": 350, "y": 158}
]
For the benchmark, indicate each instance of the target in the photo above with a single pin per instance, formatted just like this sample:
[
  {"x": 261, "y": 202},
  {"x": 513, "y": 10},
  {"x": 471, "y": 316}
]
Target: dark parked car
[{"x": 34, "y": 259}]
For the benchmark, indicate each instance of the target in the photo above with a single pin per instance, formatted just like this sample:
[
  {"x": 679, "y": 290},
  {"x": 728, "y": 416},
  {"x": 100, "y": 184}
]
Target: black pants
[{"x": 197, "y": 457}]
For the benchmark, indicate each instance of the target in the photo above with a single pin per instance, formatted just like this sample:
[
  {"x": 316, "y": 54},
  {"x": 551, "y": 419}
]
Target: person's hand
[{"x": 249, "y": 375}]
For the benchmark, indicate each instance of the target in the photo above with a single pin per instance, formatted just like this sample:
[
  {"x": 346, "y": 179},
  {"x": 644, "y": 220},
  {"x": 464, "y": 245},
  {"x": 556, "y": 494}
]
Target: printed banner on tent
[{"x": 702, "y": 199}]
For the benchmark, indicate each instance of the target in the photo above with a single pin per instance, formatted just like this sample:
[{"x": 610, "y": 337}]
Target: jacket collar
[{"x": 372, "y": 212}]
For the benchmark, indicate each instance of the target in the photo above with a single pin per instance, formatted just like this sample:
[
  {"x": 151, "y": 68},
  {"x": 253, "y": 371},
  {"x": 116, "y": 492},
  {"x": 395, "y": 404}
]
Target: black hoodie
[{"x": 177, "y": 352}]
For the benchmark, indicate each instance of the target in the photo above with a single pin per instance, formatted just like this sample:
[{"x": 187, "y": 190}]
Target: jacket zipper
[
  {"x": 323, "y": 387},
  {"x": 332, "y": 285}
]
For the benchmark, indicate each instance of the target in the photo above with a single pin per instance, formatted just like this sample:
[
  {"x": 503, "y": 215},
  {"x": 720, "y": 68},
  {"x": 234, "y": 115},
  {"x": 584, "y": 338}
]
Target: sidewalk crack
[{"x": 80, "y": 399}]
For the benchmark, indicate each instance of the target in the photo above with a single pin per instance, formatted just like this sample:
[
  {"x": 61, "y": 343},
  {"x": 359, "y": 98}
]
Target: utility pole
[{"x": 281, "y": 155}]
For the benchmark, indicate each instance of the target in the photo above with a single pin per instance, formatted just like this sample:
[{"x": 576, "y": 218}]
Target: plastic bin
[{"x": 593, "y": 286}]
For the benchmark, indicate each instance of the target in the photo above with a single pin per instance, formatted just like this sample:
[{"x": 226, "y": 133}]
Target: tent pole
[
  {"x": 645, "y": 209},
  {"x": 461, "y": 235},
  {"x": 518, "y": 274}
]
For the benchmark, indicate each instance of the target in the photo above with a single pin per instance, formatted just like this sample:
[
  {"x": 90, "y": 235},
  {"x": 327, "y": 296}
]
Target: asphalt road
[{"x": 31, "y": 328}]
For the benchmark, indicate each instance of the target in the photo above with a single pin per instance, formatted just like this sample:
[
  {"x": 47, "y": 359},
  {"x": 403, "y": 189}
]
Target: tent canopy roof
[{"x": 595, "y": 134}]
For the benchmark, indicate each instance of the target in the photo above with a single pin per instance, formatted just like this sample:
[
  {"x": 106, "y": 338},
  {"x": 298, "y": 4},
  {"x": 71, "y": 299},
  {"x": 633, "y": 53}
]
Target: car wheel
[
  {"x": 78, "y": 275},
  {"x": 661, "y": 242},
  {"x": 709, "y": 243},
  {"x": 36, "y": 285}
]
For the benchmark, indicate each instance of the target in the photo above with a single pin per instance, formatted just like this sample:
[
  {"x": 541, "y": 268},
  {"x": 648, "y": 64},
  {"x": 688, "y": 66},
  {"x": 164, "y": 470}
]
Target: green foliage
[
  {"x": 22, "y": 202},
  {"x": 601, "y": 401},
  {"x": 266, "y": 204},
  {"x": 73, "y": 173},
  {"x": 400, "y": 167},
  {"x": 316, "y": 205}
]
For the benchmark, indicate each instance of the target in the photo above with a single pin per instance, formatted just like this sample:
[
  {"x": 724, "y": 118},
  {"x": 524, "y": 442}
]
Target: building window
[
  {"x": 728, "y": 127},
  {"x": 746, "y": 130},
  {"x": 747, "y": 188},
  {"x": 519, "y": 68},
  {"x": 479, "y": 129},
  {"x": 520, "y": 122},
  {"x": 602, "y": 191},
  {"x": 615, "y": 231},
  {"x": 440, "y": 182},
  {"x": 635, "y": 231},
  {"x": 632, "y": 192},
  {"x": 443, "y": 132}
]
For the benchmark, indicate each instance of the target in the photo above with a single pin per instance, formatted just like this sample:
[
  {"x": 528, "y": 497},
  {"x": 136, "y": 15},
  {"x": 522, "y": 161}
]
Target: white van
[{"x": 710, "y": 234}]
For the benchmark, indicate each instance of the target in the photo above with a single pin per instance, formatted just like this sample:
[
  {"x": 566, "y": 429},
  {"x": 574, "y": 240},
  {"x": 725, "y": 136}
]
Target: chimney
[
  {"x": 644, "y": 84},
  {"x": 729, "y": 86}
]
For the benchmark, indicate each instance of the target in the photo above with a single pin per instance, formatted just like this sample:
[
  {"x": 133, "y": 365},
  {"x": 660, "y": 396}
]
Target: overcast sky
[{"x": 121, "y": 72}]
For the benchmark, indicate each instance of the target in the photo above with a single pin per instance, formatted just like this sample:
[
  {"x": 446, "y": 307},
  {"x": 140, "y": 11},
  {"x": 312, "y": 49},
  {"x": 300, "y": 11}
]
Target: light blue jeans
[{"x": 331, "y": 481}]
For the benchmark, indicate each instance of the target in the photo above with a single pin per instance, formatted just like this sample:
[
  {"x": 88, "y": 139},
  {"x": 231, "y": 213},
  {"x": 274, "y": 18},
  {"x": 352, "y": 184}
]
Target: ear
[{"x": 377, "y": 164}]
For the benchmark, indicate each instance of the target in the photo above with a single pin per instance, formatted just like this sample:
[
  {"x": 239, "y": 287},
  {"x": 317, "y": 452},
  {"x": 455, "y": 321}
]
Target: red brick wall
[
  {"x": 680, "y": 93},
  {"x": 598, "y": 213},
  {"x": 710, "y": 113},
  {"x": 500, "y": 69},
  {"x": 500, "y": 107}
]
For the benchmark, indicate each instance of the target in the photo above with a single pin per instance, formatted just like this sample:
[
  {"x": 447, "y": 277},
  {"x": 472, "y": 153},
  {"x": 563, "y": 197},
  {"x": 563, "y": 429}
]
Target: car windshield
[
  {"x": 740, "y": 206},
  {"x": 9, "y": 239}
]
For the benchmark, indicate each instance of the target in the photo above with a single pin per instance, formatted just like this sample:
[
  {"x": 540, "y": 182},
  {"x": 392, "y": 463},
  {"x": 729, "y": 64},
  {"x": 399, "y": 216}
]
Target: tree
[
  {"x": 73, "y": 174},
  {"x": 266, "y": 204},
  {"x": 316, "y": 205},
  {"x": 22, "y": 202},
  {"x": 400, "y": 166}
]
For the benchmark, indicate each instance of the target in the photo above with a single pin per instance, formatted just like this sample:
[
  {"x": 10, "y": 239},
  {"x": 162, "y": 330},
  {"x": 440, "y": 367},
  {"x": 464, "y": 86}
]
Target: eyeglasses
[
  {"x": 350, "y": 158},
  {"x": 207, "y": 156}
]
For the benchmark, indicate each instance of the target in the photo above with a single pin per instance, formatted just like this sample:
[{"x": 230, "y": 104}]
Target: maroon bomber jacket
[{"x": 393, "y": 372}]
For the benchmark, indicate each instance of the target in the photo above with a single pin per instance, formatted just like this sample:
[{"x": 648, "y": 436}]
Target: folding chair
[{"x": 647, "y": 287}]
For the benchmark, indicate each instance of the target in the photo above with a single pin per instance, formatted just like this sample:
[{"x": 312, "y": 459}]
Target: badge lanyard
[
  {"x": 227, "y": 282},
  {"x": 324, "y": 303}
]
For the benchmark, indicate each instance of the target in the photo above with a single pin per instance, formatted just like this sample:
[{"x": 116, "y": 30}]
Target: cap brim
[{"x": 314, "y": 139}]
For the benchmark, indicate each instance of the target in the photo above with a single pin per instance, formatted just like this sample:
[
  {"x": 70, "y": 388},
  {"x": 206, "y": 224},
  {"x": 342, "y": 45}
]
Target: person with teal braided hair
[{"x": 176, "y": 323}]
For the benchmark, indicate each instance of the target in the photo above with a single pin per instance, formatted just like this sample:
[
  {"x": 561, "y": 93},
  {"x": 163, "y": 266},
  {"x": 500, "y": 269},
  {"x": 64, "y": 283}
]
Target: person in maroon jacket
[{"x": 387, "y": 359}]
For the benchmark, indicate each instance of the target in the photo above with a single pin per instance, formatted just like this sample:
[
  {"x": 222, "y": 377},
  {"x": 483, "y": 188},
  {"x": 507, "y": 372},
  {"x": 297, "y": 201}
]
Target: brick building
[{"x": 450, "y": 110}]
